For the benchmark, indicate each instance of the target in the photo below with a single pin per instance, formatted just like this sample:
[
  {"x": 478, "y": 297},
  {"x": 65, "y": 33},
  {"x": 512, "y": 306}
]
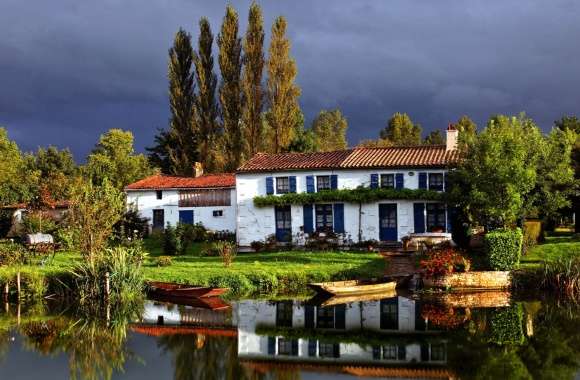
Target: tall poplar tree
[
  {"x": 205, "y": 103},
  {"x": 283, "y": 93},
  {"x": 230, "y": 62},
  {"x": 253, "y": 92},
  {"x": 183, "y": 151}
]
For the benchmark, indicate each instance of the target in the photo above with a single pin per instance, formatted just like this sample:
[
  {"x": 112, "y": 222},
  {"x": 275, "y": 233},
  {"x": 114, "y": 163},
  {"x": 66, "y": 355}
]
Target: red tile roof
[
  {"x": 358, "y": 158},
  {"x": 160, "y": 181},
  {"x": 295, "y": 161},
  {"x": 410, "y": 156}
]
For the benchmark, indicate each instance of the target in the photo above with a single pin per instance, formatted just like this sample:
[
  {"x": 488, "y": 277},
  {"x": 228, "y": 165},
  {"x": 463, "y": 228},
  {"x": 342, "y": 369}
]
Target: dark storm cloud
[{"x": 71, "y": 69}]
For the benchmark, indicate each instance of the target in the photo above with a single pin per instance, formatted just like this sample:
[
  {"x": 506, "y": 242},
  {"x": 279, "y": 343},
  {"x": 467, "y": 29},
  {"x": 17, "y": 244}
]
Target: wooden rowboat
[
  {"x": 209, "y": 303},
  {"x": 184, "y": 290},
  {"x": 325, "y": 299},
  {"x": 354, "y": 287}
]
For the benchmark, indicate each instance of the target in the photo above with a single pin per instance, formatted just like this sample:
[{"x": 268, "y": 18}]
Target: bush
[
  {"x": 444, "y": 261},
  {"x": 506, "y": 326},
  {"x": 131, "y": 225},
  {"x": 257, "y": 245},
  {"x": 11, "y": 253},
  {"x": 227, "y": 251},
  {"x": 5, "y": 222},
  {"x": 164, "y": 261},
  {"x": 533, "y": 234},
  {"x": 38, "y": 221},
  {"x": 171, "y": 243},
  {"x": 503, "y": 248}
]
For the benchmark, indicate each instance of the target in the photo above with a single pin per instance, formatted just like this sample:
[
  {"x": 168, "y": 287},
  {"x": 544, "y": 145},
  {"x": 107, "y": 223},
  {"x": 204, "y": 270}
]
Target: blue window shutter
[
  {"x": 451, "y": 212},
  {"x": 419, "y": 217},
  {"x": 422, "y": 180},
  {"x": 308, "y": 219},
  {"x": 310, "y": 184},
  {"x": 271, "y": 345},
  {"x": 340, "y": 316},
  {"x": 269, "y": 185},
  {"x": 374, "y": 181},
  {"x": 399, "y": 181},
  {"x": 312, "y": 347},
  {"x": 339, "y": 218},
  {"x": 309, "y": 311},
  {"x": 445, "y": 182},
  {"x": 333, "y": 182},
  {"x": 292, "y": 183}
]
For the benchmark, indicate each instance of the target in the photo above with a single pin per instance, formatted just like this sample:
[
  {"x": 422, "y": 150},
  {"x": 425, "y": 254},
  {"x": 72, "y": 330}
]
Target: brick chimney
[
  {"x": 451, "y": 138},
  {"x": 197, "y": 169}
]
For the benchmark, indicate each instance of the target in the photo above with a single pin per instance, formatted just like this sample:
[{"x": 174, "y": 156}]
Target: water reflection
[{"x": 480, "y": 336}]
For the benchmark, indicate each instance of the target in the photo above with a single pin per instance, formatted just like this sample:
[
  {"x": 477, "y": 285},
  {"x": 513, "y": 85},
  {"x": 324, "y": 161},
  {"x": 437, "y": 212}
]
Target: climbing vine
[{"x": 358, "y": 195}]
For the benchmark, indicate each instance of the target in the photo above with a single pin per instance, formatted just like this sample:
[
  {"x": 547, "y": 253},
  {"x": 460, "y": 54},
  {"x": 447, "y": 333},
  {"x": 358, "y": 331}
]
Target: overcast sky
[{"x": 72, "y": 69}]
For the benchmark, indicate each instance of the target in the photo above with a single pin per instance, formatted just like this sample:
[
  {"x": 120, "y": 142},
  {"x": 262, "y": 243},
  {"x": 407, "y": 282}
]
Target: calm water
[{"x": 485, "y": 336}]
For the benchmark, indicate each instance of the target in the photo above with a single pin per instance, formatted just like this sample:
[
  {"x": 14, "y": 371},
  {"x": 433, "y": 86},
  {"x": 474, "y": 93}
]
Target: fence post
[{"x": 18, "y": 284}]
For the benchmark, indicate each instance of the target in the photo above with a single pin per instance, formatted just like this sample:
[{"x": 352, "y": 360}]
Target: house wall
[
  {"x": 255, "y": 223},
  {"x": 146, "y": 201}
]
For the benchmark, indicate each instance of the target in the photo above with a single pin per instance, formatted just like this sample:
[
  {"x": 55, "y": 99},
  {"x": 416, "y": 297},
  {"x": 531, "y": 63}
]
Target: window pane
[
  {"x": 388, "y": 180},
  {"x": 282, "y": 185},
  {"x": 436, "y": 181},
  {"x": 323, "y": 182}
]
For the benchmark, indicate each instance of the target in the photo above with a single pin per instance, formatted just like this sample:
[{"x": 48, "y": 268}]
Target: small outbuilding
[{"x": 206, "y": 199}]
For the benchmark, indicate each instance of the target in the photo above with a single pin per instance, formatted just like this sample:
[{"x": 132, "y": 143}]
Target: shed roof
[{"x": 161, "y": 181}]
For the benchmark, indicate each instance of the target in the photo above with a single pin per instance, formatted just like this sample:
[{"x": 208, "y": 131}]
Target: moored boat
[
  {"x": 354, "y": 287},
  {"x": 184, "y": 290}
]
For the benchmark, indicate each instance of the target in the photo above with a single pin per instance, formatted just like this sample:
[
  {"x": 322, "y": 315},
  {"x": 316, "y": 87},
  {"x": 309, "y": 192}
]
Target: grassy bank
[
  {"x": 267, "y": 272},
  {"x": 553, "y": 248}
]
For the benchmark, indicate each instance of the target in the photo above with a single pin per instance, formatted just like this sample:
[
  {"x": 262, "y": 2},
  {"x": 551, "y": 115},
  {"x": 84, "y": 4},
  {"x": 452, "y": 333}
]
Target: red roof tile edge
[{"x": 164, "y": 182}]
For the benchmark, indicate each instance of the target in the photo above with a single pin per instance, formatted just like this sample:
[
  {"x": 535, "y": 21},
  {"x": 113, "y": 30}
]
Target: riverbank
[{"x": 250, "y": 273}]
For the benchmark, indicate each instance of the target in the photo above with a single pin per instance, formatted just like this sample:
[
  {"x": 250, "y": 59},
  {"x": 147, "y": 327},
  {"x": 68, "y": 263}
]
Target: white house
[
  {"x": 415, "y": 167},
  {"x": 398, "y": 320},
  {"x": 207, "y": 199}
]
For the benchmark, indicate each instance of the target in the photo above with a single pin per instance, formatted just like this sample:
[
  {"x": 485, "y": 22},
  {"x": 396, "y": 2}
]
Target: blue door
[
  {"x": 186, "y": 216},
  {"x": 283, "y": 224},
  {"x": 388, "y": 222}
]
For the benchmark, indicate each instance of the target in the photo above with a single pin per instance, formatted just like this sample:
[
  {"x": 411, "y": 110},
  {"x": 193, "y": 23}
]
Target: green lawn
[
  {"x": 270, "y": 272},
  {"x": 553, "y": 248}
]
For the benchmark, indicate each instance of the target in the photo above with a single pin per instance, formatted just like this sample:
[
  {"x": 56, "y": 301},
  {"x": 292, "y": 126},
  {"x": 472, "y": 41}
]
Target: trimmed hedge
[
  {"x": 504, "y": 248},
  {"x": 358, "y": 195}
]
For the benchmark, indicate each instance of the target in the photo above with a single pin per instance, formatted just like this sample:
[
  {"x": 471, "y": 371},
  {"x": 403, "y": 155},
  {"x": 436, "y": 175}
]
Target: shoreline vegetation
[{"x": 264, "y": 272}]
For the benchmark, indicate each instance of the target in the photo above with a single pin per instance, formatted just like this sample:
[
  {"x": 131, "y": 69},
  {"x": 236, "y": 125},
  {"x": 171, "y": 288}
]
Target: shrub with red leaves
[{"x": 444, "y": 261}]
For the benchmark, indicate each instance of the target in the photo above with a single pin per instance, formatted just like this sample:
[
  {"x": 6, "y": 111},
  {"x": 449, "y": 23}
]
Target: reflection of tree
[
  {"x": 96, "y": 348},
  {"x": 200, "y": 357},
  {"x": 4, "y": 343},
  {"x": 551, "y": 353}
]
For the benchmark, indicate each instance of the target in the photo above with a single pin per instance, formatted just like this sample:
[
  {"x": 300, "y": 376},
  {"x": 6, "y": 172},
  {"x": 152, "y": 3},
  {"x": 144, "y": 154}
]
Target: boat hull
[
  {"x": 353, "y": 288},
  {"x": 185, "y": 291}
]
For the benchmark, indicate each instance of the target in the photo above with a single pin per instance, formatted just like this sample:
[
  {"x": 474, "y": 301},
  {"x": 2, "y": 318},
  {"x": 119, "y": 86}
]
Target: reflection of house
[
  {"x": 207, "y": 199},
  {"x": 388, "y": 220},
  {"x": 389, "y": 331}
]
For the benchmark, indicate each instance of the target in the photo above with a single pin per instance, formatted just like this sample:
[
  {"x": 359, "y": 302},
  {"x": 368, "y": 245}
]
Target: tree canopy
[
  {"x": 329, "y": 129},
  {"x": 400, "y": 130},
  {"x": 114, "y": 159}
]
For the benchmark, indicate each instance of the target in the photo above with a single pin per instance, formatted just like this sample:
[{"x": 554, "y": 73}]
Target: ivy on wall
[{"x": 358, "y": 195}]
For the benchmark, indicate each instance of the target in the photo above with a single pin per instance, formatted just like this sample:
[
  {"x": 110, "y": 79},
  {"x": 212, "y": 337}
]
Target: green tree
[
  {"x": 304, "y": 141},
  {"x": 467, "y": 129},
  {"x": 16, "y": 181},
  {"x": 400, "y": 130},
  {"x": 283, "y": 93},
  {"x": 329, "y": 129},
  {"x": 230, "y": 62},
  {"x": 253, "y": 59},
  {"x": 114, "y": 158},
  {"x": 496, "y": 179},
  {"x": 183, "y": 150},
  {"x": 572, "y": 123},
  {"x": 206, "y": 105},
  {"x": 56, "y": 169},
  {"x": 158, "y": 154},
  {"x": 434, "y": 138},
  {"x": 93, "y": 212}
]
